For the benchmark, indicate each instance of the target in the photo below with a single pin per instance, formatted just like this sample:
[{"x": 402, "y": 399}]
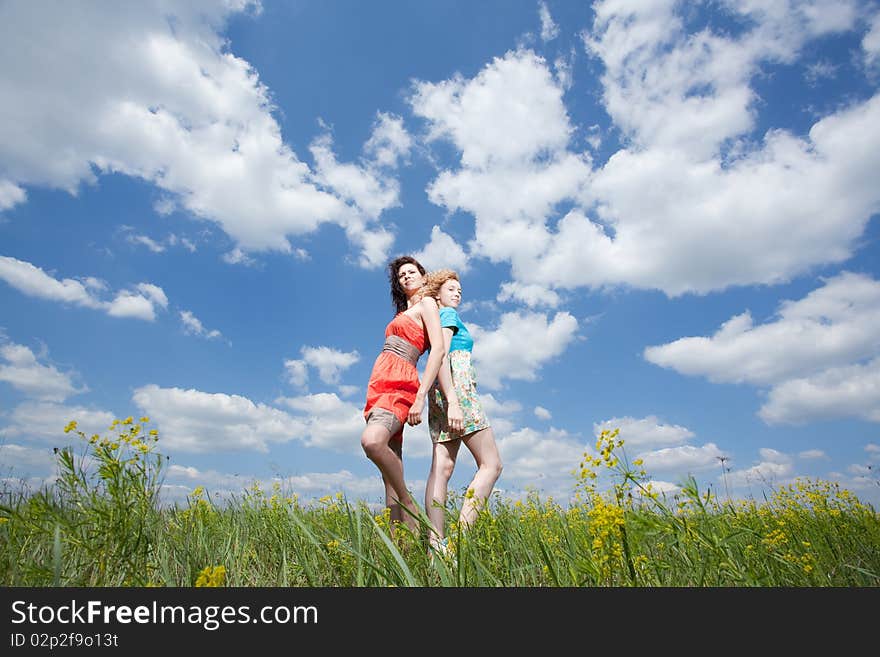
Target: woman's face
[
  {"x": 410, "y": 278},
  {"x": 450, "y": 293}
]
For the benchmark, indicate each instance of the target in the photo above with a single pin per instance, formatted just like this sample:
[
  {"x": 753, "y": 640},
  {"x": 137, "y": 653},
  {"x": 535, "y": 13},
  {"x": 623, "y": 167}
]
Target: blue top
[{"x": 461, "y": 337}]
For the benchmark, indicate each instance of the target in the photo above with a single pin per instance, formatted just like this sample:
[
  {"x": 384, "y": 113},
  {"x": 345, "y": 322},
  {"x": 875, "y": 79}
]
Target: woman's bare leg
[
  {"x": 442, "y": 465},
  {"x": 482, "y": 445},
  {"x": 387, "y": 455}
]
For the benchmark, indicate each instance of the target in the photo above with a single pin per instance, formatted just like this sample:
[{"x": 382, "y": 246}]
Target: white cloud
[
  {"x": 696, "y": 200},
  {"x": 442, "y": 252},
  {"x": 832, "y": 326},
  {"x": 181, "y": 480},
  {"x": 514, "y": 95},
  {"x": 193, "y": 326},
  {"x": 128, "y": 304},
  {"x": 520, "y": 346},
  {"x": 36, "y": 380},
  {"x": 238, "y": 256},
  {"x": 329, "y": 422},
  {"x": 46, "y": 421},
  {"x": 545, "y": 457},
  {"x": 542, "y": 413},
  {"x": 851, "y": 391},
  {"x": 765, "y": 473},
  {"x": 329, "y": 362},
  {"x": 348, "y": 390},
  {"x": 871, "y": 41},
  {"x": 35, "y": 282},
  {"x": 663, "y": 488},
  {"x": 820, "y": 71},
  {"x": 154, "y": 92},
  {"x": 819, "y": 356},
  {"x": 26, "y": 461},
  {"x": 10, "y": 195},
  {"x": 196, "y": 421},
  {"x": 500, "y": 413},
  {"x": 389, "y": 143},
  {"x": 148, "y": 242},
  {"x": 297, "y": 372},
  {"x": 493, "y": 406},
  {"x": 531, "y": 295},
  {"x": 549, "y": 29},
  {"x": 685, "y": 458},
  {"x": 645, "y": 432},
  {"x": 563, "y": 66},
  {"x": 356, "y": 184}
]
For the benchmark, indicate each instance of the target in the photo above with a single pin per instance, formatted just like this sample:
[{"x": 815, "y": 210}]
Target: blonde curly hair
[{"x": 433, "y": 282}]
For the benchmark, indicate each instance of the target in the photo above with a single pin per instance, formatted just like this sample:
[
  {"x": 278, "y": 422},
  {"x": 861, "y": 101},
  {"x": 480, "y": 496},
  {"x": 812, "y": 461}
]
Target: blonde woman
[{"x": 476, "y": 432}]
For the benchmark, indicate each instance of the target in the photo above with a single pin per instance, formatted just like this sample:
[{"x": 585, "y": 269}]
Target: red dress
[{"x": 394, "y": 380}]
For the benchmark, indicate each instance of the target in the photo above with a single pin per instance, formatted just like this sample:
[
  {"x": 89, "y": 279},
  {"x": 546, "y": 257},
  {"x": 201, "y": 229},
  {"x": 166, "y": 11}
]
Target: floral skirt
[{"x": 465, "y": 383}]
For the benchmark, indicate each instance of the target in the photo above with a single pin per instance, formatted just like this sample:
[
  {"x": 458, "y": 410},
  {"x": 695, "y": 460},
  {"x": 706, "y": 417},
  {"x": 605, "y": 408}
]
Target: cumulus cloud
[
  {"x": 531, "y": 295},
  {"x": 196, "y": 421},
  {"x": 520, "y": 345},
  {"x": 297, "y": 372},
  {"x": 685, "y": 458},
  {"x": 545, "y": 458},
  {"x": 29, "y": 461},
  {"x": 180, "y": 480},
  {"x": 29, "y": 279},
  {"x": 776, "y": 469},
  {"x": 23, "y": 371},
  {"x": 390, "y": 143},
  {"x": 819, "y": 356},
  {"x": 645, "y": 432},
  {"x": 695, "y": 200},
  {"x": 500, "y": 413},
  {"x": 45, "y": 421},
  {"x": 153, "y": 92},
  {"x": 839, "y": 392},
  {"x": 356, "y": 184},
  {"x": 442, "y": 252},
  {"x": 329, "y": 422},
  {"x": 329, "y": 362}
]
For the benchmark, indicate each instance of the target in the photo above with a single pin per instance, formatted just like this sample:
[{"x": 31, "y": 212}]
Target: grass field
[{"x": 101, "y": 524}]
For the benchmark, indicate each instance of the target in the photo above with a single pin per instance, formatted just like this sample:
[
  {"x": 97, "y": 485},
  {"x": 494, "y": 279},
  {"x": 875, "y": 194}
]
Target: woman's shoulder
[
  {"x": 448, "y": 312},
  {"x": 428, "y": 304}
]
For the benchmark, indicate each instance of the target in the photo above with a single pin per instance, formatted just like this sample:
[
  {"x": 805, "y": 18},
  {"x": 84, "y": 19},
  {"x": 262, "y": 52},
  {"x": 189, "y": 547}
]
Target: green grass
[{"x": 101, "y": 525}]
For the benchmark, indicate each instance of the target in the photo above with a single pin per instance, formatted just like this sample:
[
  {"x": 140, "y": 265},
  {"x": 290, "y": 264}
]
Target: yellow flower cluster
[{"x": 212, "y": 576}]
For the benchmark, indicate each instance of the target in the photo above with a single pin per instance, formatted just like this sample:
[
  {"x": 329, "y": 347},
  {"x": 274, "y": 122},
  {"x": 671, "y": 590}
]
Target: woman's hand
[
  {"x": 455, "y": 417},
  {"x": 415, "y": 411}
]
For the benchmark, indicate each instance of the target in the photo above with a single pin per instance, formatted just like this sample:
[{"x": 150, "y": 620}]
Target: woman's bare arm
[
  {"x": 430, "y": 315},
  {"x": 454, "y": 414}
]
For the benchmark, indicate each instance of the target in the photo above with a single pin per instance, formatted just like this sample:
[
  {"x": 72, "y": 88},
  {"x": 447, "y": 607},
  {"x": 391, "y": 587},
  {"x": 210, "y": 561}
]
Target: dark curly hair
[{"x": 398, "y": 296}]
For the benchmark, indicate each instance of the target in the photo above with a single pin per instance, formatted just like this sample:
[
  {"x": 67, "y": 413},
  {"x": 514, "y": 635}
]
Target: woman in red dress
[{"x": 395, "y": 396}]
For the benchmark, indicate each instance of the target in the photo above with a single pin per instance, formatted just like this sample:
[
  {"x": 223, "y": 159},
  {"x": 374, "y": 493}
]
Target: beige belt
[{"x": 404, "y": 349}]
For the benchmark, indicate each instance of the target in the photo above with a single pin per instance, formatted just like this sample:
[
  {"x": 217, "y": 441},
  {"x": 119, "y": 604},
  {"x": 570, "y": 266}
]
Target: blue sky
[{"x": 664, "y": 215}]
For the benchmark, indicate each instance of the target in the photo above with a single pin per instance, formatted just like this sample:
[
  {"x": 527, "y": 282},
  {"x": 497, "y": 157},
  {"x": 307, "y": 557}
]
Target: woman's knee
[
  {"x": 443, "y": 465},
  {"x": 372, "y": 442},
  {"x": 494, "y": 467}
]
